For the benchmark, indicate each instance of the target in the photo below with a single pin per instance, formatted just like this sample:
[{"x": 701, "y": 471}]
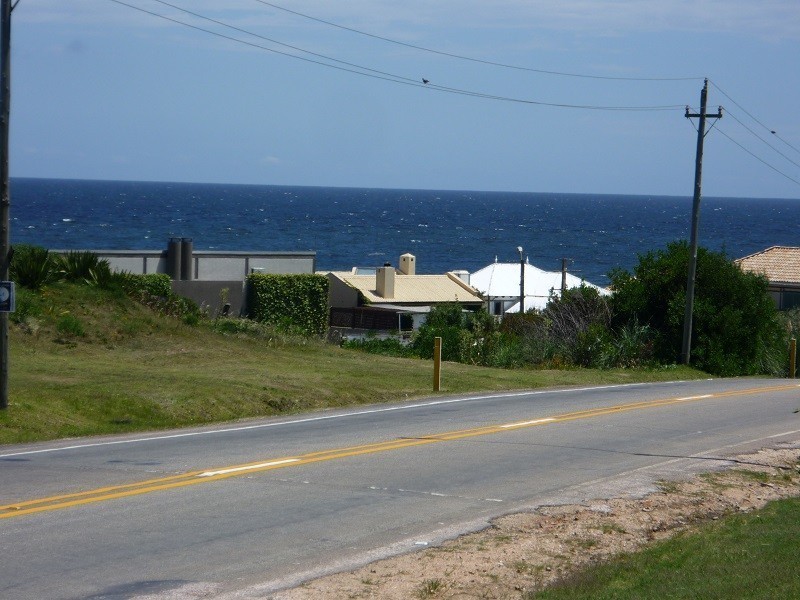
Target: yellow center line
[{"x": 208, "y": 475}]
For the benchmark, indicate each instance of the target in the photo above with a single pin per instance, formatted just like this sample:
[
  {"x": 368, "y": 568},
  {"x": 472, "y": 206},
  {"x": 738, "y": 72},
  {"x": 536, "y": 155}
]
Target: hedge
[{"x": 290, "y": 302}]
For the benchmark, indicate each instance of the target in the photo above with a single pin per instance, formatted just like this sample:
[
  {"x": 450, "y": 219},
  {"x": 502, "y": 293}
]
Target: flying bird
[{"x": 425, "y": 80}]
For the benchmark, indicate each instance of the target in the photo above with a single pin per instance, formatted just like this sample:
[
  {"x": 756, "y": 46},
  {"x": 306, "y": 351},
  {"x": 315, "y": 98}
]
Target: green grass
[
  {"x": 84, "y": 362},
  {"x": 745, "y": 557}
]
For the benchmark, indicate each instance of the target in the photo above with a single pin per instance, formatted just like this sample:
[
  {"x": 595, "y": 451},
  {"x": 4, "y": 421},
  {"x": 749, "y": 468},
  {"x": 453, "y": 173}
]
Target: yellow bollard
[{"x": 437, "y": 364}]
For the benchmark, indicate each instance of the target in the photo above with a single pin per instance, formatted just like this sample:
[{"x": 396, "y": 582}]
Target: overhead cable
[
  {"x": 758, "y": 158},
  {"x": 769, "y": 129},
  {"x": 369, "y": 72},
  {"x": 728, "y": 113},
  {"x": 472, "y": 59}
]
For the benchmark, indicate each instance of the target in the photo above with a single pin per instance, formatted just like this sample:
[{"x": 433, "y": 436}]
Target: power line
[
  {"x": 369, "y": 72},
  {"x": 796, "y": 164},
  {"x": 769, "y": 129},
  {"x": 472, "y": 59},
  {"x": 758, "y": 158},
  {"x": 297, "y": 48}
]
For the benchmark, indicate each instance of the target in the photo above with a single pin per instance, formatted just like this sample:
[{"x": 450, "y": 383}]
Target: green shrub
[
  {"x": 385, "y": 347},
  {"x": 69, "y": 326},
  {"x": 33, "y": 266},
  {"x": 292, "y": 303},
  {"x": 633, "y": 346},
  {"x": 155, "y": 291},
  {"x": 736, "y": 329},
  {"x": 448, "y": 322},
  {"x": 158, "y": 285},
  {"x": 28, "y": 307},
  {"x": 84, "y": 267}
]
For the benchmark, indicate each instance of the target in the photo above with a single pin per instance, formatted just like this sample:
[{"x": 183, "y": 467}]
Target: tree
[
  {"x": 446, "y": 321},
  {"x": 736, "y": 330}
]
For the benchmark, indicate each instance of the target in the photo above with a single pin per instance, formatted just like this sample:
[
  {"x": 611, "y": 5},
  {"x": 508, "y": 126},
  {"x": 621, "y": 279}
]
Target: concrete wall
[
  {"x": 212, "y": 265},
  {"x": 341, "y": 295},
  {"x": 209, "y": 295},
  {"x": 211, "y": 272}
]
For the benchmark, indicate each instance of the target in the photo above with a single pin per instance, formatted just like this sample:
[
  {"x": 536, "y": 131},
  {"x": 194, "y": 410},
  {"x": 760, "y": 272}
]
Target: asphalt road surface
[{"x": 243, "y": 509}]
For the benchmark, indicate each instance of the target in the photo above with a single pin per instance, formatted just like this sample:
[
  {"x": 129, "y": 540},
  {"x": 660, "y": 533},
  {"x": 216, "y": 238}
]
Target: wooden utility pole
[
  {"x": 698, "y": 176},
  {"x": 5, "y": 114}
]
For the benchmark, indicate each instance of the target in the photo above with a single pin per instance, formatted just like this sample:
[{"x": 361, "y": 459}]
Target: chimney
[
  {"x": 408, "y": 264},
  {"x": 462, "y": 275},
  {"x": 385, "y": 282}
]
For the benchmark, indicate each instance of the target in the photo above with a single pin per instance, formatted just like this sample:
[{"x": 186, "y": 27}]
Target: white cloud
[{"x": 269, "y": 161}]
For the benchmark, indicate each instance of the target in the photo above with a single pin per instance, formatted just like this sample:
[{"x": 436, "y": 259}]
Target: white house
[{"x": 499, "y": 283}]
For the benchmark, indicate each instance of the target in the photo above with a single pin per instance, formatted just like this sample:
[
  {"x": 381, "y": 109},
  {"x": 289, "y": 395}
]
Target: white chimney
[
  {"x": 408, "y": 264},
  {"x": 384, "y": 283},
  {"x": 462, "y": 275}
]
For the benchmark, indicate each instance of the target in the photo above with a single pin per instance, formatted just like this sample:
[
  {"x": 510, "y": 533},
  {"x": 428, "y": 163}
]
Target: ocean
[{"x": 346, "y": 227}]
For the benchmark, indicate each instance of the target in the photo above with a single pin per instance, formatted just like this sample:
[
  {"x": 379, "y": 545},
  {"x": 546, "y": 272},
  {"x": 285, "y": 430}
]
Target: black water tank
[
  {"x": 174, "y": 258},
  {"x": 187, "y": 259}
]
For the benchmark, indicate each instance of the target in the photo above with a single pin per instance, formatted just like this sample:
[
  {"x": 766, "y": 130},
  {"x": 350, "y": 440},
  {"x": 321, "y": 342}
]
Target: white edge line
[
  {"x": 274, "y": 463},
  {"x": 704, "y": 396},
  {"x": 524, "y": 423},
  {"x": 338, "y": 416}
]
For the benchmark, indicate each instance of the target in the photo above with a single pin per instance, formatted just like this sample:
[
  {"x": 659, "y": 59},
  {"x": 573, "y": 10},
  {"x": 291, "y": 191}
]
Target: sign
[{"x": 7, "y": 296}]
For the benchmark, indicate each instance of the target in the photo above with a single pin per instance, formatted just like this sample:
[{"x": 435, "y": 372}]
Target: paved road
[{"x": 242, "y": 509}]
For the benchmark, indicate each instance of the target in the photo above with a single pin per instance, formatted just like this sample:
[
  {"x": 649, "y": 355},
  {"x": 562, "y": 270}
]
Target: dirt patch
[{"x": 527, "y": 551}]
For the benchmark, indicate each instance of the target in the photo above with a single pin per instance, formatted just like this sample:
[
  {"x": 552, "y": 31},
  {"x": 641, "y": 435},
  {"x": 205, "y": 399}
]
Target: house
[
  {"x": 499, "y": 283},
  {"x": 781, "y": 266},
  {"x": 387, "y": 298}
]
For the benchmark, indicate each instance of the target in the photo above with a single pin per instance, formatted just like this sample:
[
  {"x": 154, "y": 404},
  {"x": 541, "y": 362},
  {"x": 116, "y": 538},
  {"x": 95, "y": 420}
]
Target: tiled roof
[
  {"x": 780, "y": 264},
  {"x": 414, "y": 289}
]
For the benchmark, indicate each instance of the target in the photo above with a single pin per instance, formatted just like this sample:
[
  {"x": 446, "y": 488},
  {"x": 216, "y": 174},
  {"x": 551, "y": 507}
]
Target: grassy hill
[{"x": 86, "y": 361}]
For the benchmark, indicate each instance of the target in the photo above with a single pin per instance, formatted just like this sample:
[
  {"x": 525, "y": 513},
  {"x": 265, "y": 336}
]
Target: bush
[
  {"x": 577, "y": 326},
  {"x": 385, "y": 347},
  {"x": 32, "y": 266},
  {"x": 84, "y": 267},
  {"x": 736, "y": 329},
  {"x": 290, "y": 302},
  {"x": 448, "y": 322},
  {"x": 69, "y": 326},
  {"x": 158, "y": 285},
  {"x": 154, "y": 290},
  {"x": 28, "y": 310}
]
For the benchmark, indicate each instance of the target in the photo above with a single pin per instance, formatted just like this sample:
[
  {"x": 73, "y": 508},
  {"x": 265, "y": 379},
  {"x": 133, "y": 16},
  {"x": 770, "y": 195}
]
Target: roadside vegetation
[
  {"x": 741, "y": 556},
  {"x": 736, "y": 327},
  {"x": 92, "y": 352}
]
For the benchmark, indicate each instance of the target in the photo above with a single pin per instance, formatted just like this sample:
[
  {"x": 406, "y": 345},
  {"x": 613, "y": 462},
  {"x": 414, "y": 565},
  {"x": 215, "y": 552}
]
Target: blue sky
[{"x": 103, "y": 91}]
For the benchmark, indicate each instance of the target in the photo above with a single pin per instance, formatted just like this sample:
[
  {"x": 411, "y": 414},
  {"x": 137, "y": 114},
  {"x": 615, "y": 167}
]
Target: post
[
  {"x": 521, "y": 281},
  {"x": 563, "y": 276},
  {"x": 437, "y": 364},
  {"x": 792, "y": 358},
  {"x": 5, "y": 114},
  {"x": 686, "y": 348}
]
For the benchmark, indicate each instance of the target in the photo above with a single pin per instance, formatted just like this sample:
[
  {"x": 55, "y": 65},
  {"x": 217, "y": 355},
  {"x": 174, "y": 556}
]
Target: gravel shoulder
[{"x": 527, "y": 551}]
